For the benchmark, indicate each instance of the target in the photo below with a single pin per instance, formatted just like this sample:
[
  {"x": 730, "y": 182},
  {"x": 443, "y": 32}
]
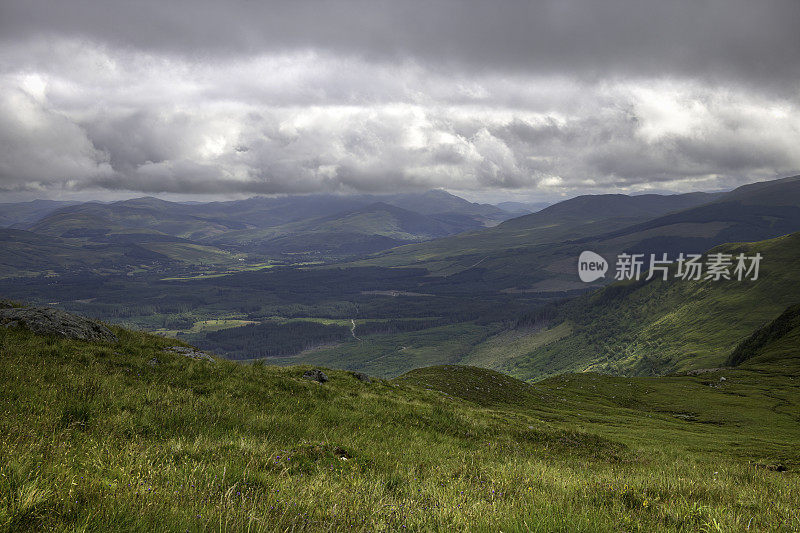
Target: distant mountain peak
[{"x": 149, "y": 201}]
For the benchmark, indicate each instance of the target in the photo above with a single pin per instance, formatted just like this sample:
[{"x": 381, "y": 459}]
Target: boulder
[
  {"x": 50, "y": 321},
  {"x": 192, "y": 353},
  {"x": 360, "y": 376},
  {"x": 315, "y": 375}
]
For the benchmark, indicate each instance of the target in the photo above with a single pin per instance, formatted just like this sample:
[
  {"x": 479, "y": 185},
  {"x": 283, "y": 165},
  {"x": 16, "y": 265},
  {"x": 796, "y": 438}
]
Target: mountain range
[
  {"x": 538, "y": 252},
  {"x": 442, "y": 233},
  {"x": 23, "y": 214},
  {"x": 384, "y": 288},
  {"x": 326, "y": 226}
]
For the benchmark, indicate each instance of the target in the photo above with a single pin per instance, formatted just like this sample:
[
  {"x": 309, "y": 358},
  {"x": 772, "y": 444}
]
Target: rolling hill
[
  {"x": 364, "y": 230},
  {"x": 199, "y": 220},
  {"x": 315, "y": 224},
  {"x": 592, "y": 208},
  {"x": 27, "y": 254},
  {"x": 23, "y": 214},
  {"x": 265, "y": 212},
  {"x": 577, "y": 218},
  {"x": 133, "y": 435},
  {"x": 538, "y": 252},
  {"x": 654, "y": 327},
  {"x": 749, "y": 213},
  {"x": 94, "y": 220},
  {"x": 523, "y": 208},
  {"x": 23, "y": 253},
  {"x": 777, "y": 342}
]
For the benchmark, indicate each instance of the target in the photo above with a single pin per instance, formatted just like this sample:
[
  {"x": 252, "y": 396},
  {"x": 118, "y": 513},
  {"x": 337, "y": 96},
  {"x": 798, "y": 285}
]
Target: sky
[{"x": 504, "y": 100}]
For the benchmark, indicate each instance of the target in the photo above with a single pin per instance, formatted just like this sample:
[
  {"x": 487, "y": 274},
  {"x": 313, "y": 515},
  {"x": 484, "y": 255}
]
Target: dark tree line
[{"x": 273, "y": 339}]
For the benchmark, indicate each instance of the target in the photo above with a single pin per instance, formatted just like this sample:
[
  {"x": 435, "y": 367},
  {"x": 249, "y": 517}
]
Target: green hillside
[
  {"x": 263, "y": 212},
  {"x": 662, "y": 326},
  {"x": 777, "y": 342},
  {"x": 93, "y": 220},
  {"x": 126, "y": 436},
  {"x": 28, "y": 254},
  {"x": 365, "y": 230},
  {"x": 579, "y": 217},
  {"x": 600, "y": 206},
  {"x": 325, "y": 226},
  {"x": 23, "y": 253},
  {"x": 23, "y": 214},
  {"x": 537, "y": 253}
]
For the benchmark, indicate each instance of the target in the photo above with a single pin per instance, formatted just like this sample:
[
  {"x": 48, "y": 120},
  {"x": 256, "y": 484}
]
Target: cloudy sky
[{"x": 493, "y": 100}]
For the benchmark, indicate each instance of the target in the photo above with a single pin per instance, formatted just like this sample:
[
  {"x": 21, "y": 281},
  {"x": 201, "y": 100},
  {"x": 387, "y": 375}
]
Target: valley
[
  {"x": 421, "y": 266},
  {"x": 466, "y": 381},
  {"x": 504, "y": 297}
]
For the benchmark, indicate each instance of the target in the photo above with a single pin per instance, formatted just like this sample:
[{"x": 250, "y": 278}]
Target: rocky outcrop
[
  {"x": 315, "y": 375},
  {"x": 191, "y": 353},
  {"x": 49, "y": 321},
  {"x": 360, "y": 376}
]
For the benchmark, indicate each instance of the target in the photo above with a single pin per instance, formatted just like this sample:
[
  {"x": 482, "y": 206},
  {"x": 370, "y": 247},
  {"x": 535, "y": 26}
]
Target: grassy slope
[
  {"x": 456, "y": 253},
  {"x": 375, "y": 219},
  {"x": 657, "y": 327},
  {"x": 149, "y": 214},
  {"x": 500, "y": 348},
  {"x": 23, "y": 253},
  {"x": 578, "y": 217},
  {"x": 21, "y": 214},
  {"x": 537, "y": 252},
  {"x": 388, "y": 355},
  {"x": 764, "y": 340},
  {"x": 780, "y": 354},
  {"x": 186, "y": 252},
  {"x": 93, "y": 438}
]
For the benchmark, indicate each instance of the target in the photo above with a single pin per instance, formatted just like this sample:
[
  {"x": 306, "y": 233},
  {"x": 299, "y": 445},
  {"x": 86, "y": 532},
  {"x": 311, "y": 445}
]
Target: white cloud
[
  {"x": 40, "y": 147},
  {"x": 78, "y": 115}
]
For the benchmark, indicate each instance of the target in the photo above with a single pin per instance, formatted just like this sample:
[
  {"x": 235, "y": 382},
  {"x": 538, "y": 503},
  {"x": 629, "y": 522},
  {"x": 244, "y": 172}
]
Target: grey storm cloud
[
  {"x": 281, "y": 97},
  {"x": 736, "y": 37}
]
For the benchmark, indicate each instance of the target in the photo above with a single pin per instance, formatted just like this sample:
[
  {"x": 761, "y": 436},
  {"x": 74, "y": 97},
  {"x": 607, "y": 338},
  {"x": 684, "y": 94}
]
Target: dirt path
[{"x": 353, "y": 329}]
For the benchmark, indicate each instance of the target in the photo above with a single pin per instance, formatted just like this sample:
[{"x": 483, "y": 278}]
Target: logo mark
[{"x": 591, "y": 266}]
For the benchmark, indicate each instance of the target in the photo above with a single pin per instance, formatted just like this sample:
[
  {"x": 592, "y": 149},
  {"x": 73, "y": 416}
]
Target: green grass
[
  {"x": 201, "y": 326},
  {"x": 478, "y": 385},
  {"x": 195, "y": 253},
  {"x": 388, "y": 355},
  {"x": 507, "y": 345},
  {"x": 651, "y": 328},
  {"x": 93, "y": 438},
  {"x": 770, "y": 340}
]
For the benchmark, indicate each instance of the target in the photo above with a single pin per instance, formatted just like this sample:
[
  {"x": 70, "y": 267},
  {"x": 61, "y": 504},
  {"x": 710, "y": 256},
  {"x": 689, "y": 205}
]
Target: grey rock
[
  {"x": 773, "y": 467},
  {"x": 50, "y": 321},
  {"x": 698, "y": 371},
  {"x": 360, "y": 376},
  {"x": 192, "y": 353},
  {"x": 315, "y": 375},
  {"x": 153, "y": 362}
]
